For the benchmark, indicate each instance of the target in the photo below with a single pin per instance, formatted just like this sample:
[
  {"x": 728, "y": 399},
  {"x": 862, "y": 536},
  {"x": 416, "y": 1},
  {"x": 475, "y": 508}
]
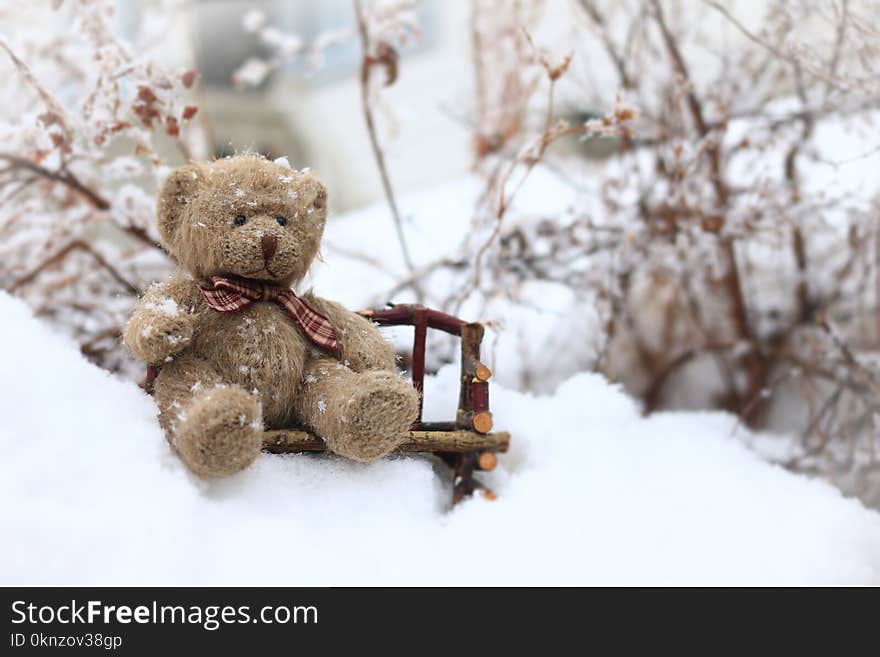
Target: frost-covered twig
[
  {"x": 54, "y": 259},
  {"x": 79, "y": 239},
  {"x": 534, "y": 151},
  {"x": 63, "y": 177}
]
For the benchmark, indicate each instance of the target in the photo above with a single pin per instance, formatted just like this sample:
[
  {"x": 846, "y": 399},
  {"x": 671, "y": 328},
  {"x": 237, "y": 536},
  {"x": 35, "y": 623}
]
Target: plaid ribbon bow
[{"x": 227, "y": 295}]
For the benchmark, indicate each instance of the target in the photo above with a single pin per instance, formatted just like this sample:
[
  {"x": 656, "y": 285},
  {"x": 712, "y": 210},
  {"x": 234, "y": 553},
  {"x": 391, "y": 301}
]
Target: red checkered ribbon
[{"x": 227, "y": 295}]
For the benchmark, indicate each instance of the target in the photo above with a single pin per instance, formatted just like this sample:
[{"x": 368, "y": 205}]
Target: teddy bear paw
[
  {"x": 376, "y": 417},
  {"x": 153, "y": 337},
  {"x": 221, "y": 432}
]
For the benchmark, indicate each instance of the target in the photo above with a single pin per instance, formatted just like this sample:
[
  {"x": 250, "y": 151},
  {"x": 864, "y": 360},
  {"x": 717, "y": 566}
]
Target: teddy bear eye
[
  {"x": 282, "y": 221},
  {"x": 240, "y": 220}
]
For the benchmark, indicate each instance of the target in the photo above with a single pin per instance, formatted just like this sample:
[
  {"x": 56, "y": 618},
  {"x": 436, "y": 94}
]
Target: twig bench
[{"x": 465, "y": 444}]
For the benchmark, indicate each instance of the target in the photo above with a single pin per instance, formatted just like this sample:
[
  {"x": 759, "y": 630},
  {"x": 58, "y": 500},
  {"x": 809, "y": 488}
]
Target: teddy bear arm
[
  {"x": 161, "y": 325},
  {"x": 361, "y": 346}
]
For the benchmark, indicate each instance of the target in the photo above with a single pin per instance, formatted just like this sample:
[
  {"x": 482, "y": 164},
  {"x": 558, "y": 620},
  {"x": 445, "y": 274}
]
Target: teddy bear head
[{"x": 243, "y": 216}]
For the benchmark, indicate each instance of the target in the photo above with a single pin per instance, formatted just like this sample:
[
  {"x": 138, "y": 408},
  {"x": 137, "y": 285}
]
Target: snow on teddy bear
[{"x": 238, "y": 351}]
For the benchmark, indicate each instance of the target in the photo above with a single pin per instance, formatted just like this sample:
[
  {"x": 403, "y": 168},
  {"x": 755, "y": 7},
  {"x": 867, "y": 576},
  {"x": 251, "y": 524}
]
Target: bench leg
[
  {"x": 462, "y": 477},
  {"x": 464, "y": 484}
]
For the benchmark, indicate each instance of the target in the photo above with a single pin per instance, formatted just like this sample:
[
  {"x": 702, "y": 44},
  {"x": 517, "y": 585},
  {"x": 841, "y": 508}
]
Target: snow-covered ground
[{"x": 591, "y": 493}]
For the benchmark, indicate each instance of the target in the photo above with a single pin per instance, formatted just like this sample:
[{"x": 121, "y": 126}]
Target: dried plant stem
[
  {"x": 605, "y": 36},
  {"x": 378, "y": 154},
  {"x": 481, "y": 103},
  {"x": 65, "y": 178},
  {"x": 530, "y": 157},
  {"x": 830, "y": 77},
  {"x": 50, "y": 102},
  {"x": 76, "y": 245},
  {"x": 756, "y": 367}
]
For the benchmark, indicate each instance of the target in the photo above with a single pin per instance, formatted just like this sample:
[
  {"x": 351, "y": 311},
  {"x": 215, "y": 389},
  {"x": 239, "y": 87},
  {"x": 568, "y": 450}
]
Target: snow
[
  {"x": 591, "y": 493},
  {"x": 165, "y": 306}
]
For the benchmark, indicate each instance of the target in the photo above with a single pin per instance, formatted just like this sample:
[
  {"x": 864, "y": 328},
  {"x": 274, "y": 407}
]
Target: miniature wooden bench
[{"x": 465, "y": 444}]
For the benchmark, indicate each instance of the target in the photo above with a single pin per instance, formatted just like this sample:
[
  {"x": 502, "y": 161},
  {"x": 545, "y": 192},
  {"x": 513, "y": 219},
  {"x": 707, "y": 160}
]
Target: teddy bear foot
[
  {"x": 220, "y": 432},
  {"x": 376, "y": 417}
]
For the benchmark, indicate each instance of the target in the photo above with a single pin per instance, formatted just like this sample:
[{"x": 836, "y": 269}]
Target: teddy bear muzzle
[{"x": 269, "y": 245}]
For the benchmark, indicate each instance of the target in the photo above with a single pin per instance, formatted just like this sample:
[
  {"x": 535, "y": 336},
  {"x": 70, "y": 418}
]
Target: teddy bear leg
[
  {"x": 361, "y": 415},
  {"x": 217, "y": 429}
]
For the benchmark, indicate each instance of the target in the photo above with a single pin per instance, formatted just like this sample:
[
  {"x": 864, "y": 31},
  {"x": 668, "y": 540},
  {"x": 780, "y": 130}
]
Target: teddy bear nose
[{"x": 269, "y": 244}]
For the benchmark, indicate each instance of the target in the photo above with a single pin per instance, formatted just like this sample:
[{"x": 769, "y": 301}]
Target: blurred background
[
  {"x": 308, "y": 108},
  {"x": 679, "y": 194}
]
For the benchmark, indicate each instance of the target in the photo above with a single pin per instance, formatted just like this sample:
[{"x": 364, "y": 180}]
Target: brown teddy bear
[{"x": 238, "y": 350}]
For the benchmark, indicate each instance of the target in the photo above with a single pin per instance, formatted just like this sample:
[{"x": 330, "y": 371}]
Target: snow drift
[{"x": 591, "y": 493}]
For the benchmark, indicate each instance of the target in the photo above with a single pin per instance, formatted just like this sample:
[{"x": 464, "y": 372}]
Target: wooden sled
[{"x": 466, "y": 444}]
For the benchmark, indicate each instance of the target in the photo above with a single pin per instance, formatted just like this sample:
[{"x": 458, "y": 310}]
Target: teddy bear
[{"x": 238, "y": 350}]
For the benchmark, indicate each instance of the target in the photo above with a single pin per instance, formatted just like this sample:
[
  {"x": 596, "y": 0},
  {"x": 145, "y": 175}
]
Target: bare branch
[
  {"x": 65, "y": 178},
  {"x": 367, "y": 63},
  {"x": 54, "y": 259}
]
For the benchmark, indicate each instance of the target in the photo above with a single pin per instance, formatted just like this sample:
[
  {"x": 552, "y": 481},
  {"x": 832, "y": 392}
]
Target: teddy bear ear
[
  {"x": 176, "y": 191},
  {"x": 317, "y": 193}
]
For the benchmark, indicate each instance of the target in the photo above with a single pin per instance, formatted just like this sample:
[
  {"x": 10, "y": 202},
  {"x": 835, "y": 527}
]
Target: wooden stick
[
  {"x": 462, "y": 477},
  {"x": 418, "y": 355},
  {"x": 479, "y": 396},
  {"x": 452, "y": 461},
  {"x": 487, "y": 461},
  {"x": 485, "y": 491},
  {"x": 435, "y": 426},
  {"x": 471, "y": 337},
  {"x": 483, "y": 422},
  {"x": 404, "y": 314},
  {"x": 287, "y": 441}
]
